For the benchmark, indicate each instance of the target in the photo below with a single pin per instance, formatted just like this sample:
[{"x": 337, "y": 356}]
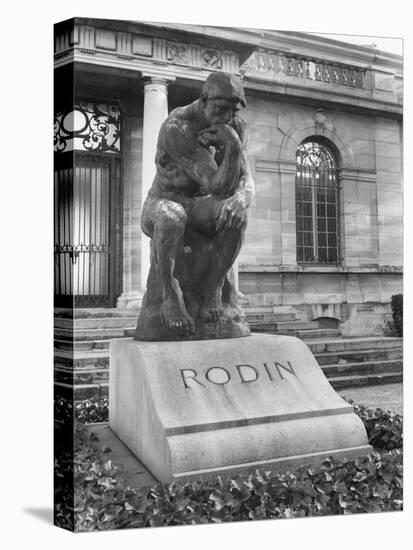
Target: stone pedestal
[{"x": 189, "y": 409}]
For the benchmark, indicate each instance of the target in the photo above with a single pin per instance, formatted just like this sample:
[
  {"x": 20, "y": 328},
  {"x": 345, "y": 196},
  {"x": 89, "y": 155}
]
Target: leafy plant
[
  {"x": 397, "y": 311},
  {"x": 92, "y": 410},
  {"x": 100, "y": 500},
  {"x": 384, "y": 428}
]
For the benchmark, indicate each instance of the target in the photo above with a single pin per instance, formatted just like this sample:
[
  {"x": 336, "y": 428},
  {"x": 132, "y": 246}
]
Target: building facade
[{"x": 325, "y": 232}]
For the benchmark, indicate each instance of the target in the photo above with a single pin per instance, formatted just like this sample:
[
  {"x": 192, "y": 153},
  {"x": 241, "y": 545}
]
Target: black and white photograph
[
  {"x": 228, "y": 275},
  {"x": 224, "y": 222}
]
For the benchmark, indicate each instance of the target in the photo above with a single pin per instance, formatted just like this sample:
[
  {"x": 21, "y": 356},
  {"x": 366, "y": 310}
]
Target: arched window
[{"x": 317, "y": 204}]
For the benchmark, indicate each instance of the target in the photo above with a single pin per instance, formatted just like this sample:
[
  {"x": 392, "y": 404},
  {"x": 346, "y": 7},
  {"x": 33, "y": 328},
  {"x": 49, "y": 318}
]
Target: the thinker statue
[{"x": 196, "y": 215}]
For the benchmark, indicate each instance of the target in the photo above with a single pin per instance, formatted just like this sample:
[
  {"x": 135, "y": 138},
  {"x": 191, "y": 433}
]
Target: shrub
[
  {"x": 92, "y": 410},
  {"x": 338, "y": 486},
  {"x": 384, "y": 428},
  {"x": 370, "y": 484},
  {"x": 397, "y": 311}
]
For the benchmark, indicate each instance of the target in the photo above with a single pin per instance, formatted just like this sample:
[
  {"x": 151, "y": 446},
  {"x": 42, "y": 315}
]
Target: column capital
[{"x": 156, "y": 78}]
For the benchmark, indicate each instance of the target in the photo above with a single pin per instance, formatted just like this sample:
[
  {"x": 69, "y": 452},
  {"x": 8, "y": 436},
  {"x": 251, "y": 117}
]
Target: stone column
[
  {"x": 132, "y": 168},
  {"x": 155, "y": 111}
]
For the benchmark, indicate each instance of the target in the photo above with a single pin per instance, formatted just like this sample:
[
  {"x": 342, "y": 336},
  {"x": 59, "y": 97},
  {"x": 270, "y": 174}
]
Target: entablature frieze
[
  {"x": 296, "y": 75},
  {"x": 73, "y": 43}
]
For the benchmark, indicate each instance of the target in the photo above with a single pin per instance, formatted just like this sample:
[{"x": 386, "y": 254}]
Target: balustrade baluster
[
  {"x": 341, "y": 76},
  {"x": 359, "y": 79},
  {"x": 307, "y": 69},
  {"x": 317, "y": 73},
  {"x": 260, "y": 63}
]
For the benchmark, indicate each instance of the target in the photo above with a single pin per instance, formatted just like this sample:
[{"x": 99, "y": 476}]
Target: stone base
[{"x": 190, "y": 409}]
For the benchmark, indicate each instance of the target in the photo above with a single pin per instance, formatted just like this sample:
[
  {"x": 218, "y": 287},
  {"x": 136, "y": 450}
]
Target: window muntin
[{"x": 317, "y": 204}]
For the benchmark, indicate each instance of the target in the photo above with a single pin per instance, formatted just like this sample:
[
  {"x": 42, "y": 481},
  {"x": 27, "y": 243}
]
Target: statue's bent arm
[{"x": 182, "y": 143}]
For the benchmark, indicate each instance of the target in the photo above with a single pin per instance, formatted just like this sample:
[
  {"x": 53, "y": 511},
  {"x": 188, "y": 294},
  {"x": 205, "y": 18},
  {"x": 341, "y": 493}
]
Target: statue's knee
[
  {"x": 243, "y": 224},
  {"x": 172, "y": 217}
]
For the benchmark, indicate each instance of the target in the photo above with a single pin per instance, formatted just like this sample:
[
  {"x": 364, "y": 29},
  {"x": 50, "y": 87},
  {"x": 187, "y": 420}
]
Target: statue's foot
[
  {"x": 234, "y": 312},
  {"x": 175, "y": 318},
  {"x": 211, "y": 311},
  {"x": 232, "y": 308}
]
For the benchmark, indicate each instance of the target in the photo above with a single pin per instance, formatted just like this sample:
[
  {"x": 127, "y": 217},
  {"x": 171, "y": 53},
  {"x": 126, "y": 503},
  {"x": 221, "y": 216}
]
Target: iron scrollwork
[{"x": 88, "y": 127}]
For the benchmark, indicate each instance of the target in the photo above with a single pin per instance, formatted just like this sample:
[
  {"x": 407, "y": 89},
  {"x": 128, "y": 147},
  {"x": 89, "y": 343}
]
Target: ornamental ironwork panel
[
  {"x": 88, "y": 127},
  {"x": 317, "y": 205}
]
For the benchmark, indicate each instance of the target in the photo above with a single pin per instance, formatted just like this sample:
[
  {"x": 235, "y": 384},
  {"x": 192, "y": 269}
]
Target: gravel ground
[{"x": 386, "y": 396}]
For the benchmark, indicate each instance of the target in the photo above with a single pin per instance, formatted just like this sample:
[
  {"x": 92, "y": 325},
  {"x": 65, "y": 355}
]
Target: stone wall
[{"x": 369, "y": 161}]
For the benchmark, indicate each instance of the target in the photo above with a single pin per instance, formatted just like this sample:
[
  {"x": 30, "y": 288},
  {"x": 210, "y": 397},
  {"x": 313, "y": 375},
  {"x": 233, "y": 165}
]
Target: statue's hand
[
  {"x": 233, "y": 212},
  {"x": 220, "y": 135}
]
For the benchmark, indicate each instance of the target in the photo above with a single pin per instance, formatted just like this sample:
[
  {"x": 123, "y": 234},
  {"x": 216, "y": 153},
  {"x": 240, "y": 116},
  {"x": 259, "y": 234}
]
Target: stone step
[
  {"x": 88, "y": 323},
  {"x": 334, "y": 345},
  {"x": 290, "y": 325},
  {"x": 339, "y": 382},
  {"x": 81, "y": 345},
  {"x": 265, "y": 309},
  {"x": 287, "y": 327},
  {"x": 92, "y": 359},
  {"x": 90, "y": 334},
  {"x": 359, "y": 356},
  {"x": 90, "y": 313},
  {"x": 319, "y": 333},
  {"x": 85, "y": 376},
  {"x": 367, "y": 368},
  {"x": 269, "y": 317}
]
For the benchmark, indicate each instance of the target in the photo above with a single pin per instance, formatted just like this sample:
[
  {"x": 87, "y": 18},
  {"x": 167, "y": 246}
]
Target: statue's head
[{"x": 222, "y": 97}]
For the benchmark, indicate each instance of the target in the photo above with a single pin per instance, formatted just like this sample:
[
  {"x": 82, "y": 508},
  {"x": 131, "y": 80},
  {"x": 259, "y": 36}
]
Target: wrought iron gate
[{"x": 87, "y": 198}]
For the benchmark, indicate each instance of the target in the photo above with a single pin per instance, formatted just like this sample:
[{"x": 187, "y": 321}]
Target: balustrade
[{"x": 309, "y": 69}]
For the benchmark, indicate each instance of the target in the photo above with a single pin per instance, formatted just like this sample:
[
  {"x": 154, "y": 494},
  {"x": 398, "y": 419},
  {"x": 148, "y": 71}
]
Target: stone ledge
[{"x": 247, "y": 268}]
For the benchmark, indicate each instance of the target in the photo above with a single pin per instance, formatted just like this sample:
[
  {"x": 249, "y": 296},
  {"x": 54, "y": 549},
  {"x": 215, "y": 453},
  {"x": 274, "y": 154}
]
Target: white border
[{"x": 26, "y": 274}]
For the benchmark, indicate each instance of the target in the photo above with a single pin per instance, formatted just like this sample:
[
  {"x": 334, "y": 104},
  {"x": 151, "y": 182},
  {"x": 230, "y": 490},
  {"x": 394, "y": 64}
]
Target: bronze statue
[{"x": 196, "y": 215}]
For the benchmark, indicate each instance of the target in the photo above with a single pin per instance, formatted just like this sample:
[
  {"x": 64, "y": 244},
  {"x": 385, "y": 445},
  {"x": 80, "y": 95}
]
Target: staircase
[
  {"x": 81, "y": 348},
  {"x": 82, "y": 354},
  {"x": 349, "y": 362},
  {"x": 346, "y": 362},
  {"x": 283, "y": 320}
]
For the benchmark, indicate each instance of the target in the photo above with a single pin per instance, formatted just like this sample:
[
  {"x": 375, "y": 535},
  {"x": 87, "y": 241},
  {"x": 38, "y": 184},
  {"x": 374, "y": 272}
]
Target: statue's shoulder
[{"x": 179, "y": 121}]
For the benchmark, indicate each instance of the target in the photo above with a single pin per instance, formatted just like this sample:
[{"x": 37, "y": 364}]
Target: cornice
[
  {"x": 131, "y": 50},
  {"x": 330, "y": 49},
  {"x": 325, "y": 94}
]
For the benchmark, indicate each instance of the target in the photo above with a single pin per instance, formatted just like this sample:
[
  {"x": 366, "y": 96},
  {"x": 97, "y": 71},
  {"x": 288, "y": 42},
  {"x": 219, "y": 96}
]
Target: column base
[{"x": 130, "y": 300}]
